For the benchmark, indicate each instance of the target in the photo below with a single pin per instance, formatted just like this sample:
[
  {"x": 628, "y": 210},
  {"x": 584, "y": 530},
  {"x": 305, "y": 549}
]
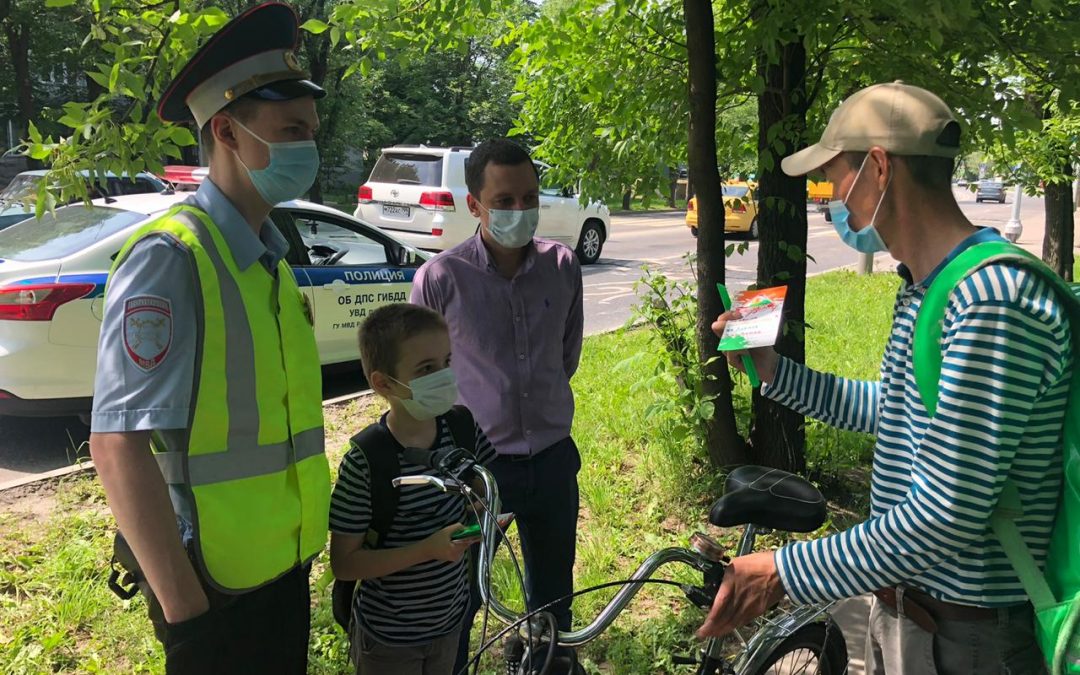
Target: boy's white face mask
[{"x": 432, "y": 394}]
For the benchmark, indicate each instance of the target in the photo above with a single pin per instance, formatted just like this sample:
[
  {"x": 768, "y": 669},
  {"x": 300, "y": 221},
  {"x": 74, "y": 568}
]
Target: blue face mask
[
  {"x": 512, "y": 229},
  {"x": 290, "y": 173},
  {"x": 866, "y": 240}
]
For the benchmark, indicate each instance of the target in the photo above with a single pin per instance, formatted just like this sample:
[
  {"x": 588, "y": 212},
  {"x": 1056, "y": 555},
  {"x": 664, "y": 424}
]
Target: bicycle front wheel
[{"x": 813, "y": 649}]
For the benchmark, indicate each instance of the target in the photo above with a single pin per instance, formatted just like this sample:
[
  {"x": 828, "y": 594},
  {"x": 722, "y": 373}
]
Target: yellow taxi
[
  {"x": 740, "y": 210},
  {"x": 820, "y": 193}
]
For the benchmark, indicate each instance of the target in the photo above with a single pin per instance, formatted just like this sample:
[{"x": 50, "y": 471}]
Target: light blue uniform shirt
[{"x": 129, "y": 397}]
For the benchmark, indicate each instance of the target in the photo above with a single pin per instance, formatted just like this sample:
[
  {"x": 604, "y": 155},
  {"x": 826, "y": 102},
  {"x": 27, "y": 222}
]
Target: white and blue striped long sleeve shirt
[{"x": 1005, "y": 371}]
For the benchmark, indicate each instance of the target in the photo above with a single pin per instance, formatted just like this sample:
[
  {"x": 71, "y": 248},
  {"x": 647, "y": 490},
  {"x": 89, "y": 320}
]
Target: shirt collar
[
  {"x": 484, "y": 259},
  {"x": 980, "y": 236},
  {"x": 246, "y": 248}
]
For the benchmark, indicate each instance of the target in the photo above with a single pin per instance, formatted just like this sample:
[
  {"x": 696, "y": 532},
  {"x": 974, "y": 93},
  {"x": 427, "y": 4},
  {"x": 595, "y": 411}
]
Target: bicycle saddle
[{"x": 778, "y": 500}]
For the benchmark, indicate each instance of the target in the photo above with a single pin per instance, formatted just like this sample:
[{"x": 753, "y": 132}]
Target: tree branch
[
  {"x": 155, "y": 61},
  {"x": 660, "y": 35}
]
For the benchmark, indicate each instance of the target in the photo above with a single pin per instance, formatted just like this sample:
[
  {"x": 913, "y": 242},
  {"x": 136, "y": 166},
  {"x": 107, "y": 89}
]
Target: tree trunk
[
  {"x": 18, "y": 39},
  {"x": 723, "y": 442},
  {"x": 626, "y": 199},
  {"x": 673, "y": 186},
  {"x": 777, "y": 437},
  {"x": 318, "y": 53},
  {"x": 1058, "y": 239}
]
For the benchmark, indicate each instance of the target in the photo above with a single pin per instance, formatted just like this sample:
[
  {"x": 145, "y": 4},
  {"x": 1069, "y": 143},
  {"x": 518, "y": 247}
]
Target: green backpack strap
[
  {"x": 1059, "y": 621},
  {"x": 930, "y": 321}
]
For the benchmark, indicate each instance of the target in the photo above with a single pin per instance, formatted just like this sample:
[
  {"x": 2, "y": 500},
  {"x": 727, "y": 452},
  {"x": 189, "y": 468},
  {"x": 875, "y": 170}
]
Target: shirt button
[
  {"x": 525, "y": 395},
  {"x": 528, "y": 432},
  {"x": 521, "y": 357},
  {"x": 906, "y": 302}
]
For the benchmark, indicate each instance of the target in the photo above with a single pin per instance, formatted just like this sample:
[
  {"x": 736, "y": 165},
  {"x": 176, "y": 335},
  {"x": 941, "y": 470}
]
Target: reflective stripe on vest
[{"x": 253, "y": 460}]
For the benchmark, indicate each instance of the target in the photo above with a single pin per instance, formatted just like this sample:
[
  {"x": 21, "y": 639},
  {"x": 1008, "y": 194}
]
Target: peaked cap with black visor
[{"x": 253, "y": 56}]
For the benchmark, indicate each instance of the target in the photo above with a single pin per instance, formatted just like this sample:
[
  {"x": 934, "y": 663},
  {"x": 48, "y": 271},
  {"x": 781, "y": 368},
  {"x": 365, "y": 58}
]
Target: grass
[
  {"x": 637, "y": 203},
  {"x": 638, "y": 495}
]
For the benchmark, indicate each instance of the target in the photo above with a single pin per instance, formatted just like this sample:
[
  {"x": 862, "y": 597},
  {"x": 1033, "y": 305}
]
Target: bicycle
[{"x": 758, "y": 498}]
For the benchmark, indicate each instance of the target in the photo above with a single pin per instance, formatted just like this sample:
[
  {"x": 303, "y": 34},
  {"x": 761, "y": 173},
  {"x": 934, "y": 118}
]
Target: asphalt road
[{"x": 660, "y": 240}]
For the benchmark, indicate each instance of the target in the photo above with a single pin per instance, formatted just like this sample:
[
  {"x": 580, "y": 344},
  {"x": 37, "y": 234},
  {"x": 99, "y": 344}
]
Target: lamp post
[{"x": 1013, "y": 228}]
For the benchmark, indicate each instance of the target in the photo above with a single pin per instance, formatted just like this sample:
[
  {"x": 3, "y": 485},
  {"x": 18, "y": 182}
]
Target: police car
[{"x": 52, "y": 285}]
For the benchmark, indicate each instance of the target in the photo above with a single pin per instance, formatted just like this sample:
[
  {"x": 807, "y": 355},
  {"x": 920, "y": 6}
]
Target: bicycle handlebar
[{"x": 490, "y": 533}]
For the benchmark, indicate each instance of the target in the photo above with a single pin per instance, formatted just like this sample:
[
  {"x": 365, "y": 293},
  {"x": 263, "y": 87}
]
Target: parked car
[
  {"x": 17, "y": 199},
  {"x": 52, "y": 284},
  {"x": 991, "y": 191},
  {"x": 418, "y": 193},
  {"x": 183, "y": 177},
  {"x": 740, "y": 210}
]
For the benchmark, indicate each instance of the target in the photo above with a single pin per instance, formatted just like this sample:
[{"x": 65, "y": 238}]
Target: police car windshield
[{"x": 72, "y": 229}]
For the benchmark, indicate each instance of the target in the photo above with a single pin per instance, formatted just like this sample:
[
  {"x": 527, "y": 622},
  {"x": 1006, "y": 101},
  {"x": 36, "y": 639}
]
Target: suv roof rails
[{"x": 458, "y": 148}]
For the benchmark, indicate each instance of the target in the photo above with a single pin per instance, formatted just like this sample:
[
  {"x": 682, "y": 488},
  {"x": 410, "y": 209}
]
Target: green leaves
[
  {"x": 181, "y": 136},
  {"x": 314, "y": 26}
]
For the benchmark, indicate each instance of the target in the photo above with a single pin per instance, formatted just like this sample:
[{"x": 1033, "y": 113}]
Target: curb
[
  {"x": 88, "y": 465},
  {"x": 81, "y": 467}
]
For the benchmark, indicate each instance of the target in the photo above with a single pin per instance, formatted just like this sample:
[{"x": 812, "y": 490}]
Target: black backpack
[{"x": 382, "y": 452}]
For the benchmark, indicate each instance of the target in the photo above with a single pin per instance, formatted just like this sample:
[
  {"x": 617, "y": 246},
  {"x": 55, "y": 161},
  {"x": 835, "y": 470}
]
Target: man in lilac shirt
[{"x": 514, "y": 306}]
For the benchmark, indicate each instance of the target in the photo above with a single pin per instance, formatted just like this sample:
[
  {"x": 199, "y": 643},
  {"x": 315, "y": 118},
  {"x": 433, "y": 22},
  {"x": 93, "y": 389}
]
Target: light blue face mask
[
  {"x": 866, "y": 240},
  {"x": 512, "y": 229},
  {"x": 290, "y": 173}
]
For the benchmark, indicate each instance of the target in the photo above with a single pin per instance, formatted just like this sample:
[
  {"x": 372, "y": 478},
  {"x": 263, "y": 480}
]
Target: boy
[{"x": 414, "y": 588}]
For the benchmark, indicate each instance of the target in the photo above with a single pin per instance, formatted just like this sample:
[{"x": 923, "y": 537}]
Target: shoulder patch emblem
[{"x": 148, "y": 330}]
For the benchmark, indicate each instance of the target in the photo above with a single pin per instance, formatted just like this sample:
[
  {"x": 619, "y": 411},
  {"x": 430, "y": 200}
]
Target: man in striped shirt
[{"x": 946, "y": 599}]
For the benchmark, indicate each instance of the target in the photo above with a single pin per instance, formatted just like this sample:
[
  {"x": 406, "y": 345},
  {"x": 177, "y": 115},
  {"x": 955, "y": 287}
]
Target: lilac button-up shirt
[{"x": 516, "y": 342}]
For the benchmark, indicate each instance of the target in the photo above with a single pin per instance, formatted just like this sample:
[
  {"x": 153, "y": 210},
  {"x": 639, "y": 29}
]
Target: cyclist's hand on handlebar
[
  {"x": 751, "y": 586},
  {"x": 765, "y": 358},
  {"x": 441, "y": 547}
]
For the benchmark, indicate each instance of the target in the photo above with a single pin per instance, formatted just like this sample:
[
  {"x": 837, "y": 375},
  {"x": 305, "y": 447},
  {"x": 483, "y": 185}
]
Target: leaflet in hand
[{"x": 761, "y": 313}]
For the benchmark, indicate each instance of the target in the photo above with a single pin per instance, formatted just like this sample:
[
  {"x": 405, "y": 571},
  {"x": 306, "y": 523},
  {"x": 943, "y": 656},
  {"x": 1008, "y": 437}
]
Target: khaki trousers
[{"x": 1005, "y": 646}]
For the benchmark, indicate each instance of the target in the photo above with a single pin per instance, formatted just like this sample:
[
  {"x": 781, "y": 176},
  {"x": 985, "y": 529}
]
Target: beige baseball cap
[{"x": 900, "y": 118}]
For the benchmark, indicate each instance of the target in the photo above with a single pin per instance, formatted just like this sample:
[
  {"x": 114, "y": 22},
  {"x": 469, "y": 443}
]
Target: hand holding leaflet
[{"x": 760, "y": 315}]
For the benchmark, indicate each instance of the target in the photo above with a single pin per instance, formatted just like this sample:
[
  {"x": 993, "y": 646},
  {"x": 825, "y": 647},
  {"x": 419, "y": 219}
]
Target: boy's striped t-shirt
[
  {"x": 1007, "y": 361},
  {"x": 425, "y": 601}
]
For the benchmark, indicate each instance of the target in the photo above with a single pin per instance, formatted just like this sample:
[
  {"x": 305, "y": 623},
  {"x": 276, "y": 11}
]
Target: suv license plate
[{"x": 396, "y": 211}]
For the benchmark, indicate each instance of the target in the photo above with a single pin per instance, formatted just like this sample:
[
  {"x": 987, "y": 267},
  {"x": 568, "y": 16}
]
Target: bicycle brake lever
[
  {"x": 443, "y": 484},
  {"x": 699, "y": 596}
]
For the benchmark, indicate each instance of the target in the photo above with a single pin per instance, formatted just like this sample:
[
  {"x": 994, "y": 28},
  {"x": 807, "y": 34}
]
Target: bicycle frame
[{"x": 755, "y": 650}]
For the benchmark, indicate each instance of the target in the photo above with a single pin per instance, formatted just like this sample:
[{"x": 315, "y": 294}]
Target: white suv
[{"x": 418, "y": 194}]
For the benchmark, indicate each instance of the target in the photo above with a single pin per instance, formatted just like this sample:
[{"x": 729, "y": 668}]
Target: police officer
[{"x": 207, "y": 426}]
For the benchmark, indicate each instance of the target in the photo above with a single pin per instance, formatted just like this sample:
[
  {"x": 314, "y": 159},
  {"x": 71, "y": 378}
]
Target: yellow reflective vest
[{"x": 253, "y": 457}]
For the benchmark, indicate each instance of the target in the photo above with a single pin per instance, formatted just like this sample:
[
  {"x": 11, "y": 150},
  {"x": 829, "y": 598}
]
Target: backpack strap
[
  {"x": 929, "y": 323},
  {"x": 380, "y": 449},
  {"x": 926, "y": 353},
  {"x": 462, "y": 428}
]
